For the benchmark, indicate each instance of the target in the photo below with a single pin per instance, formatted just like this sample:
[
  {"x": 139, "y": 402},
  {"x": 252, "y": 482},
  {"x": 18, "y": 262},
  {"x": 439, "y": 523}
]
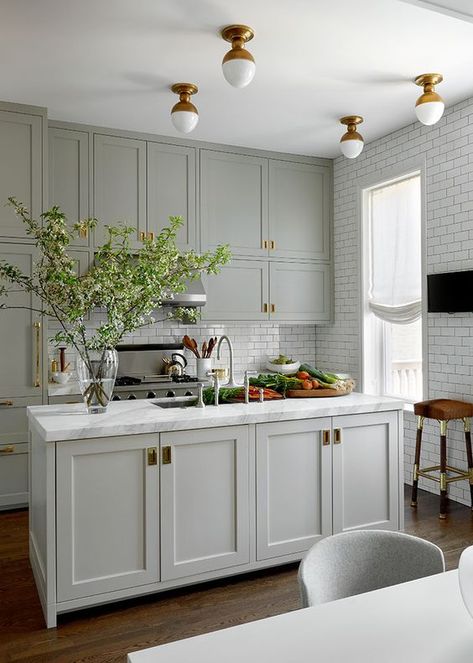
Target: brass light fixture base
[
  {"x": 242, "y": 32},
  {"x": 428, "y": 79},
  {"x": 184, "y": 88},
  {"x": 351, "y": 119}
]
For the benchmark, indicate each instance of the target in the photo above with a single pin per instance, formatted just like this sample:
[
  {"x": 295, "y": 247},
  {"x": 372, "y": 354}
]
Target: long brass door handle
[
  {"x": 37, "y": 361},
  {"x": 6, "y": 403},
  {"x": 8, "y": 450}
]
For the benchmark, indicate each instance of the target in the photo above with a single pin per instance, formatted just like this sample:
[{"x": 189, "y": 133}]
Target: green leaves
[{"x": 126, "y": 284}]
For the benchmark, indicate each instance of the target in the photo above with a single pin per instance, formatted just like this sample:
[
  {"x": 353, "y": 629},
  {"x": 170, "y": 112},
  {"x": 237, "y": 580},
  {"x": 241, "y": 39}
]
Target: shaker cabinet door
[
  {"x": 69, "y": 175},
  {"x": 366, "y": 472},
  {"x": 300, "y": 292},
  {"x": 238, "y": 292},
  {"x": 21, "y": 169},
  {"x": 233, "y": 202},
  {"x": 107, "y": 515},
  {"x": 299, "y": 210},
  {"x": 119, "y": 185},
  {"x": 204, "y": 500},
  {"x": 171, "y": 190}
]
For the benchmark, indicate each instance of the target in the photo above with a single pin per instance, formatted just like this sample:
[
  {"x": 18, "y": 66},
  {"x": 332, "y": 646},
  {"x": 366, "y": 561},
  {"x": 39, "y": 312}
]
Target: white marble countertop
[{"x": 71, "y": 422}]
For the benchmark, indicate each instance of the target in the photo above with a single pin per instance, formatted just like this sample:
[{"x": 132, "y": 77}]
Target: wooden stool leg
[
  {"x": 415, "y": 478},
  {"x": 443, "y": 470},
  {"x": 469, "y": 454}
]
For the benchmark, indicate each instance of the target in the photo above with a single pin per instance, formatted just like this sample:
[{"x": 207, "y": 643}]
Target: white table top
[{"x": 424, "y": 621}]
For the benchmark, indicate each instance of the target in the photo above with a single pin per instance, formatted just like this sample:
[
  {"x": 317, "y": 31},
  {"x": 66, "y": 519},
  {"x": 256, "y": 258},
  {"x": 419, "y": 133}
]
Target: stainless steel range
[{"x": 142, "y": 372}]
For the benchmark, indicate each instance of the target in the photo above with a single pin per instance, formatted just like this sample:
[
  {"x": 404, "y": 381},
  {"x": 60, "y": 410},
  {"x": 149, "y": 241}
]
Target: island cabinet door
[
  {"x": 107, "y": 515},
  {"x": 204, "y": 500},
  {"x": 365, "y": 471},
  {"x": 293, "y": 486}
]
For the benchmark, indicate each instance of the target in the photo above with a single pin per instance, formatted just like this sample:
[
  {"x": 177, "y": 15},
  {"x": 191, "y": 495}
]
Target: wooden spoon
[{"x": 191, "y": 345}]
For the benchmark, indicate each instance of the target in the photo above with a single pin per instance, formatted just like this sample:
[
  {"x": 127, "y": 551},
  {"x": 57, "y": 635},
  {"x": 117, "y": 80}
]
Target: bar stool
[{"x": 444, "y": 410}]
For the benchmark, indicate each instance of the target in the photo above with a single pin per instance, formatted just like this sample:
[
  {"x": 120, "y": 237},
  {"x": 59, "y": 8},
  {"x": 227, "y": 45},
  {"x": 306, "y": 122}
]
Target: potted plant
[{"x": 127, "y": 285}]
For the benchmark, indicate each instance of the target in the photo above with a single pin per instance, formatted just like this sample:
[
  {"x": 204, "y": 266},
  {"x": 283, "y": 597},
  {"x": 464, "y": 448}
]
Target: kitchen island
[{"x": 142, "y": 499}]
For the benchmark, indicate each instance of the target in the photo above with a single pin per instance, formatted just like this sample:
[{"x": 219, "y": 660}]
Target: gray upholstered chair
[{"x": 356, "y": 562}]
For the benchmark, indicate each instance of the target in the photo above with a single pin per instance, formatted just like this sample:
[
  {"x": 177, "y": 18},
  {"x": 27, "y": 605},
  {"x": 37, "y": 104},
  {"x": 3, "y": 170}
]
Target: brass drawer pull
[
  {"x": 8, "y": 450},
  {"x": 83, "y": 233},
  {"x": 337, "y": 436},
  {"x": 142, "y": 236},
  {"x": 273, "y": 308},
  {"x": 265, "y": 308},
  {"x": 6, "y": 403},
  {"x": 167, "y": 455},
  {"x": 272, "y": 244},
  {"x": 152, "y": 454},
  {"x": 151, "y": 236},
  {"x": 37, "y": 363},
  {"x": 265, "y": 244},
  {"x": 325, "y": 438}
]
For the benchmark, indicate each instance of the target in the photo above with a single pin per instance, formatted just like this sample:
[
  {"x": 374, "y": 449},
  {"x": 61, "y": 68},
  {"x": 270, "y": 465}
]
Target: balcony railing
[{"x": 406, "y": 378}]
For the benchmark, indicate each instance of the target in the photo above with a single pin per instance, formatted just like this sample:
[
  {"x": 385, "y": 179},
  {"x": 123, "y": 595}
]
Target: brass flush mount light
[
  {"x": 351, "y": 143},
  {"x": 184, "y": 114},
  {"x": 238, "y": 64},
  {"x": 430, "y": 105}
]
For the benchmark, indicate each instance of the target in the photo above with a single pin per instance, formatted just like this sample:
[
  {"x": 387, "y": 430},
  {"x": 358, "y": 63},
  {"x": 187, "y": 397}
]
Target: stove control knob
[
  {"x": 188, "y": 393},
  {"x": 150, "y": 394},
  {"x": 171, "y": 394},
  {"x": 132, "y": 397},
  {"x": 116, "y": 398}
]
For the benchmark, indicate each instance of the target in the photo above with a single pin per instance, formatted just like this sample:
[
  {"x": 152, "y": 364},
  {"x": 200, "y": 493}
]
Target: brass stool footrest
[{"x": 461, "y": 475}]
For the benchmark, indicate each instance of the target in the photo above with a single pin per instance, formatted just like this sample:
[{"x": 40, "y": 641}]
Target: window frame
[{"x": 373, "y": 362}]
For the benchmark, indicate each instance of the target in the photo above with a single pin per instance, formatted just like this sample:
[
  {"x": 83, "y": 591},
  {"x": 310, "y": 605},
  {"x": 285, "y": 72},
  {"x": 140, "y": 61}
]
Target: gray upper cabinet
[
  {"x": 69, "y": 175},
  {"x": 300, "y": 292},
  {"x": 299, "y": 210},
  {"x": 239, "y": 292},
  {"x": 234, "y": 195},
  {"x": 21, "y": 168},
  {"x": 119, "y": 185},
  {"x": 171, "y": 190},
  {"x": 21, "y": 333}
]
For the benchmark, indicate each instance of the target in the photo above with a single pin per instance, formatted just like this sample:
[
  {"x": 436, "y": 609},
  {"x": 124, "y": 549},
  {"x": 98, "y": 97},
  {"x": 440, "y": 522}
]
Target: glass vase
[{"x": 96, "y": 371}]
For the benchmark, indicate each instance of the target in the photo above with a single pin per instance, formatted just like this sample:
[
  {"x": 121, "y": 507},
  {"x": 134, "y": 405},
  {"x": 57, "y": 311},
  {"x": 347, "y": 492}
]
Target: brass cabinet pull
[
  {"x": 272, "y": 244},
  {"x": 265, "y": 244},
  {"x": 325, "y": 438},
  {"x": 142, "y": 236},
  {"x": 152, "y": 454},
  {"x": 8, "y": 450},
  {"x": 273, "y": 308},
  {"x": 166, "y": 455},
  {"x": 6, "y": 403},
  {"x": 151, "y": 236},
  {"x": 265, "y": 308},
  {"x": 37, "y": 363},
  {"x": 83, "y": 233},
  {"x": 337, "y": 436}
]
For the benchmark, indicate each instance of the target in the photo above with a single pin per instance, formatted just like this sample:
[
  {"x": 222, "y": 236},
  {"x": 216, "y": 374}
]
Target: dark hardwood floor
[{"x": 106, "y": 634}]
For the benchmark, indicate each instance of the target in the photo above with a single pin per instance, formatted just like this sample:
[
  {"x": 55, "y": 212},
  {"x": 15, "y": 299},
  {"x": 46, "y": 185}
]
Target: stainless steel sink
[{"x": 175, "y": 402}]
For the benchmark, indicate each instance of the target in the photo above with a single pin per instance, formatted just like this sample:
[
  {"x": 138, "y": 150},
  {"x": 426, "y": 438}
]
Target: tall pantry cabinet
[{"x": 23, "y": 132}]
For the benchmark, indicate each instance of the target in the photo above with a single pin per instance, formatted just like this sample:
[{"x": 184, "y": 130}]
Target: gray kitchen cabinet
[
  {"x": 119, "y": 185},
  {"x": 234, "y": 202},
  {"x": 299, "y": 210},
  {"x": 366, "y": 472},
  {"x": 294, "y": 486},
  {"x": 171, "y": 190},
  {"x": 239, "y": 292},
  {"x": 21, "y": 332},
  {"x": 21, "y": 168},
  {"x": 300, "y": 292},
  {"x": 69, "y": 175}
]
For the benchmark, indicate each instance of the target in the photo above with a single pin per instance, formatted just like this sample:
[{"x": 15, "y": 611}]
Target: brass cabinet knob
[{"x": 8, "y": 449}]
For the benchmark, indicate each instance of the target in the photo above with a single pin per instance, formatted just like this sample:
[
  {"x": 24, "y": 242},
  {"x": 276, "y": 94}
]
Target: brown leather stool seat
[{"x": 444, "y": 410}]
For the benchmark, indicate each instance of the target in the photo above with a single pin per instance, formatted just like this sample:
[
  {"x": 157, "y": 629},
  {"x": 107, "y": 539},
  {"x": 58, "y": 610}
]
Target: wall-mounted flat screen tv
[{"x": 451, "y": 292}]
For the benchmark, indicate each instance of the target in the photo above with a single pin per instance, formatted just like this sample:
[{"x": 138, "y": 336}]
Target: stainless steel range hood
[{"x": 193, "y": 296}]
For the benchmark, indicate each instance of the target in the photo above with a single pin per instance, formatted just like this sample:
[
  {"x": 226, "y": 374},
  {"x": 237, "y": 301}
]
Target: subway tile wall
[
  {"x": 447, "y": 152},
  {"x": 252, "y": 342}
]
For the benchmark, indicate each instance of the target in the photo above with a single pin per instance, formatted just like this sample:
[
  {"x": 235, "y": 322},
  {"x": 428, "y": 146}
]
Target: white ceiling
[{"x": 110, "y": 63}]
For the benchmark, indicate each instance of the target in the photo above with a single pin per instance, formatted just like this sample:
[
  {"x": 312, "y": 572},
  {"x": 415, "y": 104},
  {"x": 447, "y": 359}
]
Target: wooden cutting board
[{"x": 315, "y": 393}]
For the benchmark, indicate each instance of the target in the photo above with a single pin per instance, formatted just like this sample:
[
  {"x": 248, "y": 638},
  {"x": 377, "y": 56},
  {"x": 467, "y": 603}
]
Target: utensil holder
[{"x": 203, "y": 365}]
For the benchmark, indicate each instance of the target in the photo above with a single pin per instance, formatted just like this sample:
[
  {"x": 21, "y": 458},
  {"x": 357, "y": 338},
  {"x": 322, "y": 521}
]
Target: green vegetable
[
  {"x": 226, "y": 394},
  {"x": 325, "y": 379},
  {"x": 276, "y": 381},
  {"x": 282, "y": 359}
]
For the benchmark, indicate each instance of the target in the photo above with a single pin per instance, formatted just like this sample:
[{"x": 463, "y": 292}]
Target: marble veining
[{"x": 71, "y": 422}]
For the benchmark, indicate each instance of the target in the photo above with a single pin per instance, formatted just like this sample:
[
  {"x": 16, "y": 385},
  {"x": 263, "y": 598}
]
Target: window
[{"x": 392, "y": 289}]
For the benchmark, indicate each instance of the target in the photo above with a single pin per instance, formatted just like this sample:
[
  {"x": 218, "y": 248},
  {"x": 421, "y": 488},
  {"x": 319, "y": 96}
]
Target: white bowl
[
  {"x": 61, "y": 378},
  {"x": 284, "y": 369}
]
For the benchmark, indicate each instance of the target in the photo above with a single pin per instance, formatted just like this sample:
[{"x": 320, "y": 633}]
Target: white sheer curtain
[{"x": 395, "y": 269}]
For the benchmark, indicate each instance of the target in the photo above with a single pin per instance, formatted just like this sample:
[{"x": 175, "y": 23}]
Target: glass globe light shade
[
  {"x": 353, "y": 146},
  {"x": 429, "y": 108},
  {"x": 184, "y": 119},
  {"x": 238, "y": 68}
]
